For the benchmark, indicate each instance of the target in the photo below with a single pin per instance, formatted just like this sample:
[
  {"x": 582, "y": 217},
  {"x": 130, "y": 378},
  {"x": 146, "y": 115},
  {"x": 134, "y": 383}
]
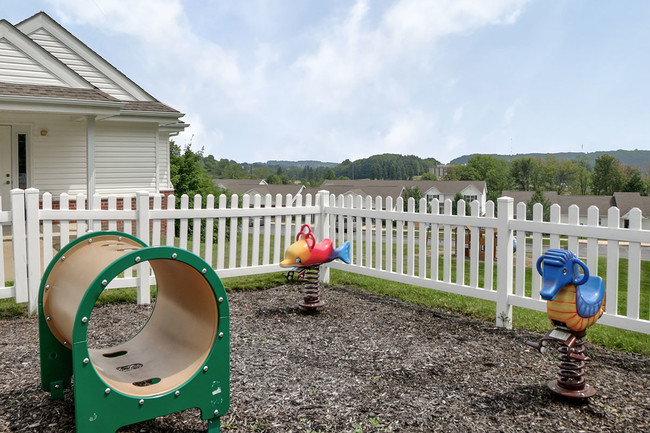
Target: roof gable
[
  {"x": 24, "y": 62},
  {"x": 432, "y": 191},
  {"x": 626, "y": 201},
  {"x": 469, "y": 189},
  {"x": 63, "y": 45}
]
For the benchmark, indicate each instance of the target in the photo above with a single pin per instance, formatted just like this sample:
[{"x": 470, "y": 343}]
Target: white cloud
[
  {"x": 167, "y": 42},
  {"x": 153, "y": 21},
  {"x": 344, "y": 60},
  {"x": 426, "y": 20},
  {"x": 355, "y": 54},
  {"x": 511, "y": 111},
  {"x": 351, "y": 74},
  {"x": 409, "y": 133}
]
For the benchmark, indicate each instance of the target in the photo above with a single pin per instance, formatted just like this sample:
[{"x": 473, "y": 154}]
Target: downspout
[{"x": 90, "y": 160}]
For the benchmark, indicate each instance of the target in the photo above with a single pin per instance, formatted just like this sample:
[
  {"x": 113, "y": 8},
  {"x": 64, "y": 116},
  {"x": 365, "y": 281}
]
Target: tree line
[
  {"x": 563, "y": 176},
  {"x": 385, "y": 166},
  {"x": 192, "y": 173}
]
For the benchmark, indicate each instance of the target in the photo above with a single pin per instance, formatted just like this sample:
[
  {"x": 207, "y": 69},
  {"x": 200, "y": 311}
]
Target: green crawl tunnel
[{"x": 178, "y": 360}]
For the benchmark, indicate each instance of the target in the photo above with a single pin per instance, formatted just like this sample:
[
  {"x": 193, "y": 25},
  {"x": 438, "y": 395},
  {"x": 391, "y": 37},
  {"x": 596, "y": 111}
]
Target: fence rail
[{"x": 467, "y": 254}]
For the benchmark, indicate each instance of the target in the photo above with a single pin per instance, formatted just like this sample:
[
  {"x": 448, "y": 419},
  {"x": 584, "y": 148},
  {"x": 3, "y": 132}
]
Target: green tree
[
  {"x": 428, "y": 176},
  {"x": 454, "y": 205},
  {"x": 415, "y": 193},
  {"x": 495, "y": 172},
  {"x": 538, "y": 197},
  {"x": 188, "y": 175},
  {"x": 261, "y": 172},
  {"x": 329, "y": 174},
  {"x": 211, "y": 165},
  {"x": 566, "y": 175},
  {"x": 633, "y": 181},
  {"x": 227, "y": 169},
  {"x": 524, "y": 172},
  {"x": 385, "y": 166},
  {"x": 583, "y": 176},
  {"x": 607, "y": 177},
  {"x": 546, "y": 175},
  {"x": 452, "y": 173}
]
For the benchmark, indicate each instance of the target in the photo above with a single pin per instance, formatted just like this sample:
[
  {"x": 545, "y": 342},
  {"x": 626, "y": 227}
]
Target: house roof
[
  {"x": 373, "y": 191},
  {"x": 257, "y": 186},
  {"x": 150, "y": 106},
  {"x": 624, "y": 201},
  {"x": 58, "y": 92},
  {"x": 66, "y": 47},
  {"x": 238, "y": 186},
  {"x": 394, "y": 188},
  {"x": 65, "y": 71},
  {"x": 275, "y": 189}
]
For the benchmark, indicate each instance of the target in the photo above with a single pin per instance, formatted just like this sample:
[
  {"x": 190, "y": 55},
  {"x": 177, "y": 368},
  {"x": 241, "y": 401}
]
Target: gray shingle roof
[
  {"x": 624, "y": 201},
  {"x": 393, "y": 188},
  {"x": 149, "y": 106},
  {"x": 252, "y": 186},
  {"x": 76, "y": 94},
  {"x": 58, "y": 92}
]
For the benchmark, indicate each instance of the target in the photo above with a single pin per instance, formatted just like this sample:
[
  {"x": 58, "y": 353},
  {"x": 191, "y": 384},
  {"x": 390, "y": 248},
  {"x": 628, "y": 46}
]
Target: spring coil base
[
  {"x": 310, "y": 276},
  {"x": 571, "y": 381}
]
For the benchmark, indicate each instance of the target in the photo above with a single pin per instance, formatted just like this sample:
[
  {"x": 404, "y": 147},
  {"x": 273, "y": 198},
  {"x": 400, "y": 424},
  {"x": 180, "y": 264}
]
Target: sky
[{"x": 331, "y": 80}]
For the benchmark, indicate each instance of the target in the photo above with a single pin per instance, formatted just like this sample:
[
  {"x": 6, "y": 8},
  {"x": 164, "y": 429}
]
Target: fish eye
[
  {"x": 297, "y": 259},
  {"x": 563, "y": 271}
]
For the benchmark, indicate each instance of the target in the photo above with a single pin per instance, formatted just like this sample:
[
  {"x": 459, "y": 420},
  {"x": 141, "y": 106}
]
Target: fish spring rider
[
  {"x": 306, "y": 256},
  {"x": 575, "y": 301}
]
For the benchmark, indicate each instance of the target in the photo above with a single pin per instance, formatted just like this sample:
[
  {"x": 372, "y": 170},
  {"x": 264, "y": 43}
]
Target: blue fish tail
[{"x": 342, "y": 252}]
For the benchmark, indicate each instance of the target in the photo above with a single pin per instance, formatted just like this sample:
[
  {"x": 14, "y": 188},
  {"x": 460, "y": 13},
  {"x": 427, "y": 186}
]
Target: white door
[{"x": 5, "y": 165}]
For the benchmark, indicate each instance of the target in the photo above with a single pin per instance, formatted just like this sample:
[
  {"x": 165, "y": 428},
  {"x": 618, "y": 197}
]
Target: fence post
[
  {"x": 143, "y": 281},
  {"x": 33, "y": 248},
  {"x": 19, "y": 244},
  {"x": 505, "y": 206},
  {"x": 323, "y": 224}
]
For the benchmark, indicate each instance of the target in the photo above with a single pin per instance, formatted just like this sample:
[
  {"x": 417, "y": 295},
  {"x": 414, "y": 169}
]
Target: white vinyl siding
[
  {"x": 125, "y": 157},
  {"x": 78, "y": 64},
  {"x": 59, "y": 158},
  {"x": 164, "y": 182},
  {"x": 472, "y": 193},
  {"x": 17, "y": 67}
]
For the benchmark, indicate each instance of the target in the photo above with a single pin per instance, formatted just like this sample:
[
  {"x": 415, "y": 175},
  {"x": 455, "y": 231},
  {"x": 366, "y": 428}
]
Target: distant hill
[
  {"x": 385, "y": 166},
  {"x": 640, "y": 158},
  {"x": 300, "y": 164}
]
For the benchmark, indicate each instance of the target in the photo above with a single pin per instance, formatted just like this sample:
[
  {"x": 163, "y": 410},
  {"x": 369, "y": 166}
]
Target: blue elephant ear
[
  {"x": 576, "y": 271},
  {"x": 579, "y": 279}
]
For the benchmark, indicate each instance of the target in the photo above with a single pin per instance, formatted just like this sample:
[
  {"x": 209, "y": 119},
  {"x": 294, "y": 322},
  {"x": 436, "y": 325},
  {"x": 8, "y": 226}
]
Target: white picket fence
[{"x": 248, "y": 235}]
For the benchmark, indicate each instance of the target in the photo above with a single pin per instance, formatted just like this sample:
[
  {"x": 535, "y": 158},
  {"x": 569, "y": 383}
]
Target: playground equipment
[
  {"x": 306, "y": 256},
  {"x": 575, "y": 302},
  {"x": 178, "y": 360}
]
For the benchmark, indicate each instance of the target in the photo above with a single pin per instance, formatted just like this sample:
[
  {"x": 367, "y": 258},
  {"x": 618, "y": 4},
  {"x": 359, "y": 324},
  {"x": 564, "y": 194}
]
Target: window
[
  {"x": 22, "y": 161},
  {"x": 470, "y": 198},
  {"x": 432, "y": 196}
]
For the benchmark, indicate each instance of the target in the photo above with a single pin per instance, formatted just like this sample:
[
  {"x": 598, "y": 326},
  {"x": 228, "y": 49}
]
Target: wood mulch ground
[{"x": 363, "y": 364}]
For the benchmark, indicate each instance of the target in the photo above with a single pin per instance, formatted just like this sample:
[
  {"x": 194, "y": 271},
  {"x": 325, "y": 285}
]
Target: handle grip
[{"x": 576, "y": 280}]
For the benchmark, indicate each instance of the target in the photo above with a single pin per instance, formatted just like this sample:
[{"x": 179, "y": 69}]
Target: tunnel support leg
[{"x": 214, "y": 425}]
